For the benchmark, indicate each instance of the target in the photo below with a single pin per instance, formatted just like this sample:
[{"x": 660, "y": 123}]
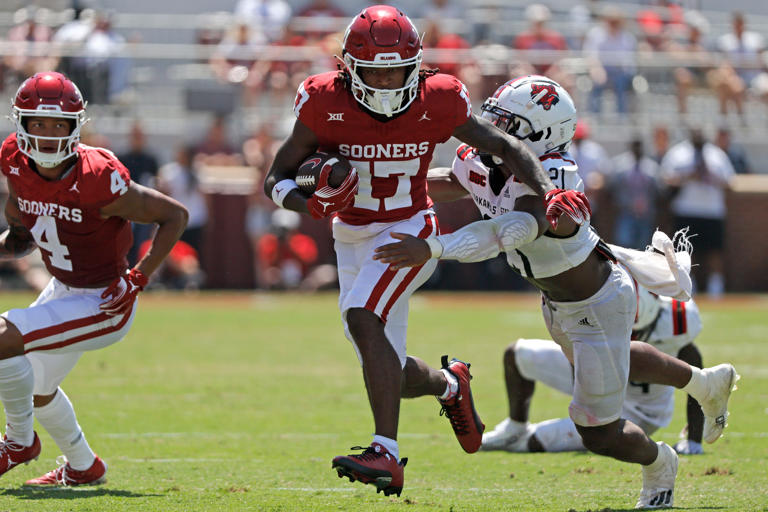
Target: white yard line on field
[{"x": 263, "y": 435}]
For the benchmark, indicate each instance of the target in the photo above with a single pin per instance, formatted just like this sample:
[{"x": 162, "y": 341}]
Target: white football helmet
[{"x": 536, "y": 110}]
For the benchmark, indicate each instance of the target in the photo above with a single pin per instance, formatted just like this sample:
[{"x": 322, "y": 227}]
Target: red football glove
[
  {"x": 569, "y": 202},
  {"x": 327, "y": 199},
  {"x": 122, "y": 293}
]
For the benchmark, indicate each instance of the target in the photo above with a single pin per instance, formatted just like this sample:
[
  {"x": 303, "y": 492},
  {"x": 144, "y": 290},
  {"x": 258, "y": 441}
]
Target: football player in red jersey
[
  {"x": 74, "y": 203},
  {"x": 386, "y": 116}
]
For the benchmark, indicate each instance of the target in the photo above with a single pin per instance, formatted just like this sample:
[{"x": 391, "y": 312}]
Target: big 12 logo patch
[{"x": 546, "y": 100}]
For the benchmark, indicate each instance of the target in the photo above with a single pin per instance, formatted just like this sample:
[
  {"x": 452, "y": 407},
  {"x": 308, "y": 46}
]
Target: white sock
[
  {"x": 16, "y": 384},
  {"x": 58, "y": 418},
  {"x": 453, "y": 385},
  {"x": 653, "y": 466},
  {"x": 517, "y": 426},
  {"x": 696, "y": 387},
  {"x": 389, "y": 444}
]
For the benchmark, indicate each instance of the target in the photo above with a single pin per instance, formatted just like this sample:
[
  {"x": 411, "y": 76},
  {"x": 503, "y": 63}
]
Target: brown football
[{"x": 309, "y": 171}]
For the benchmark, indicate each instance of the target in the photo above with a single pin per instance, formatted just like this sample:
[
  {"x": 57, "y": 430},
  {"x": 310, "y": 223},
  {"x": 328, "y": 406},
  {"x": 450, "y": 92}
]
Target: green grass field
[{"x": 239, "y": 402}]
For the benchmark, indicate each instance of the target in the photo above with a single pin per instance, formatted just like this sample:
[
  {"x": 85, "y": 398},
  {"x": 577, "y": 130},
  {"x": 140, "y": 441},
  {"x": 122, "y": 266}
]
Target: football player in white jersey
[
  {"x": 666, "y": 323},
  {"x": 589, "y": 301}
]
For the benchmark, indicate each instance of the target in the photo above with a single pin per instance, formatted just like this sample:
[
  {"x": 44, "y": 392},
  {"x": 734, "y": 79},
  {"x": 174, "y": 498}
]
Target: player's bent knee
[
  {"x": 600, "y": 440},
  {"x": 43, "y": 400},
  {"x": 363, "y": 324},
  {"x": 11, "y": 340}
]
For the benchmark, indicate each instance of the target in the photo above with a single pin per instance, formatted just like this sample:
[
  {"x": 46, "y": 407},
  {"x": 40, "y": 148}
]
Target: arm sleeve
[{"x": 483, "y": 240}]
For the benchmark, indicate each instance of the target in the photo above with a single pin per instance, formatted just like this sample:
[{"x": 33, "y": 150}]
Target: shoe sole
[
  {"x": 713, "y": 429},
  {"x": 381, "y": 482}
]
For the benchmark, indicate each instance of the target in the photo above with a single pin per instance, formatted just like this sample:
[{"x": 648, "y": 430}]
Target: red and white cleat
[
  {"x": 65, "y": 475},
  {"x": 375, "y": 466},
  {"x": 12, "y": 453},
  {"x": 460, "y": 409}
]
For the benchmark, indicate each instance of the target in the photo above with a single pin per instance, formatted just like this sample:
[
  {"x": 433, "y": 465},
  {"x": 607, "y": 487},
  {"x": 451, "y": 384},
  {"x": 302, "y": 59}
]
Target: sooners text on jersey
[
  {"x": 391, "y": 157},
  {"x": 78, "y": 246}
]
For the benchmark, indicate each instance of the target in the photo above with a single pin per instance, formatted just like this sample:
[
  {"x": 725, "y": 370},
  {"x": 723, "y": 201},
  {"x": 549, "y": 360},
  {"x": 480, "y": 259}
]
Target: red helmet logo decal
[{"x": 546, "y": 100}]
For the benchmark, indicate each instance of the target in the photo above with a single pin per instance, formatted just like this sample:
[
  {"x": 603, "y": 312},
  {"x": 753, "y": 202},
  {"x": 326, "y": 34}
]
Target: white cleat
[
  {"x": 507, "y": 435},
  {"x": 659, "y": 480},
  {"x": 721, "y": 380}
]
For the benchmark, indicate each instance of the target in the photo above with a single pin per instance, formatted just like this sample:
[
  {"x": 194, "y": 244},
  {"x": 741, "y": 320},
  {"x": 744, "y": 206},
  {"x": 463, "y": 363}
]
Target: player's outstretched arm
[
  {"x": 301, "y": 143},
  {"x": 148, "y": 206},
  {"x": 16, "y": 241},
  {"x": 477, "y": 241},
  {"x": 443, "y": 186},
  {"x": 481, "y": 134}
]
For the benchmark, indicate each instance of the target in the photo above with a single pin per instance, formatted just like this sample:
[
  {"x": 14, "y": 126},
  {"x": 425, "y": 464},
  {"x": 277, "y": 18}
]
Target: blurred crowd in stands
[{"x": 665, "y": 178}]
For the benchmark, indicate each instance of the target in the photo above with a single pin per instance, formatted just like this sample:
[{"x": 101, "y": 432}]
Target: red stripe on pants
[
  {"x": 428, "y": 229},
  {"x": 60, "y": 329}
]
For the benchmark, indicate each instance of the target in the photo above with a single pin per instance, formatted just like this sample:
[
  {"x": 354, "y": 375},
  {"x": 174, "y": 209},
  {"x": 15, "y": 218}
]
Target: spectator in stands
[
  {"x": 438, "y": 11},
  {"x": 268, "y": 17},
  {"x": 736, "y": 153},
  {"x": 236, "y": 59},
  {"x": 740, "y": 70},
  {"x": 143, "y": 166},
  {"x": 660, "y": 142},
  {"x": 239, "y": 48},
  {"x": 215, "y": 148},
  {"x": 592, "y": 159},
  {"x": 634, "y": 189},
  {"x": 178, "y": 180},
  {"x": 582, "y": 16},
  {"x": 657, "y": 23},
  {"x": 107, "y": 70},
  {"x": 610, "y": 49},
  {"x": 540, "y": 41},
  {"x": 458, "y": 66},
  {"x": 69, "y": 40},
  {"x": 139, "y": 159},
  {"x": 321, "y": 22},
  {"x": 285, "y": 75},
  {"x": 694, "y": 57},
  {"x": 698, "y": 173},
  {"x": 286, "y": 258},
  {"x": 30, "y": 28}
]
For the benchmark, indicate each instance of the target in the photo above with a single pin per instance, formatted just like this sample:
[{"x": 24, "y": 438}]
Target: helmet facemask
[
  {"x": 30, "y": 144},
  {"x": 387, "y": 102}
]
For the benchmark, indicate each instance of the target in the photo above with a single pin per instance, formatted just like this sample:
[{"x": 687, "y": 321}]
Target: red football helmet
[
  {"x": 382, "y": 36},
  {"x": 48, "y": 94}
]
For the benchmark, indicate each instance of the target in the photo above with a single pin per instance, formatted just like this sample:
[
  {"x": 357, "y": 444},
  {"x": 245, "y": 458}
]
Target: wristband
[
  {"x": 435, "y": 247},
  {"x": 281, "y": 190}
]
